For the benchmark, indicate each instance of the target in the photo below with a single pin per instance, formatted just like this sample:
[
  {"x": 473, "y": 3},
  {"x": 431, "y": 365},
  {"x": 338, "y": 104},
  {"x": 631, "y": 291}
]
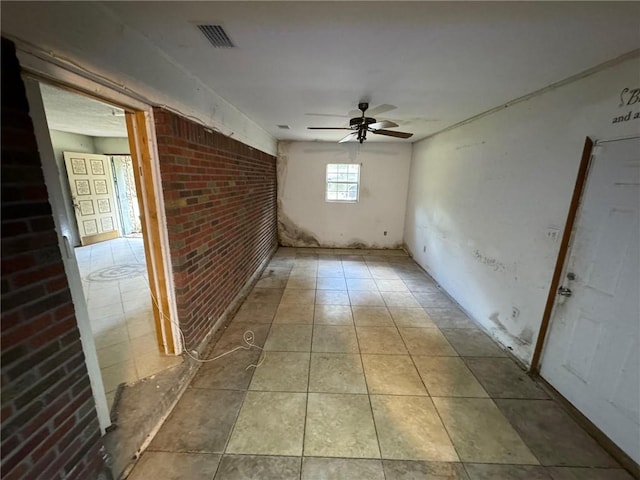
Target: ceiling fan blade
[
  {"x": 373, "y": 112},
  {"x": 351, "y": 136},
  {"x": 328, "y": 128},
  {"x": 392, "y": 133},
  {"x": 380, "y": 109},
  {"x": 383, "y": 124},
  {"x": 326, "y": 115}
]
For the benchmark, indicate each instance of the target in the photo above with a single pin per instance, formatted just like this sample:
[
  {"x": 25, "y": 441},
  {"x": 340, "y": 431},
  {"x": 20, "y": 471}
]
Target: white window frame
[{"x": 331, "y": 172}]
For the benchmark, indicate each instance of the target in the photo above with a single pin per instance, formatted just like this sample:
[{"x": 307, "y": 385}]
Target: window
[{"x": 343, "y": 180}]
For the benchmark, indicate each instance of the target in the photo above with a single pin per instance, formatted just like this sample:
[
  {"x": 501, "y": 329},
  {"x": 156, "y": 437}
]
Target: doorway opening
[
  {"x": 103, "y": 222},
  {"x": 137, "y": 407}
]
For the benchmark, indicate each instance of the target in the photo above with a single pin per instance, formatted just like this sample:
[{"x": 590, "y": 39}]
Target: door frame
[
  {"x": 38, "y": 67},
  {"x": 152, "y": 217},
  {"x": 581, "y": 181},
  {"x": 144, "y": 153},
  {"x": 588, "y": 152}
]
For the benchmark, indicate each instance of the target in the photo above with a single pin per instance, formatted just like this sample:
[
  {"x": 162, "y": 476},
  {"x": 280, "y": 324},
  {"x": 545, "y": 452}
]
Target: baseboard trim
[{"x": 598, "y": 435}]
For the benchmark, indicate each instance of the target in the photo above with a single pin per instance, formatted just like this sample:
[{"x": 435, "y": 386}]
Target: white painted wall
[
  {"x": 92, "y": 36},
  {"x": 485, "y": 197},
  {"x": 303, "y": 213},
  {"x": 111, "y": 145}
]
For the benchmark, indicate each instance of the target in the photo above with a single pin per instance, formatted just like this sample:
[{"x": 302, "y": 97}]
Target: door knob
[{"x": 564, "y": 291}]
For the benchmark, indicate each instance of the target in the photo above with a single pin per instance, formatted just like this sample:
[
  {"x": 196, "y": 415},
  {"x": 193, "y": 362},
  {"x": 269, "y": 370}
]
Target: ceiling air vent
[{"x": 217, "y": 36}]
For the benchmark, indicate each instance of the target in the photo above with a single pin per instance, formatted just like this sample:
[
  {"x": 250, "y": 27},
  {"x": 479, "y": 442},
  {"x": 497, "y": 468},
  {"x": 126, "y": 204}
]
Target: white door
[
  {"x": 94, "y": 201},
  {"x": 591, "y": 354}
]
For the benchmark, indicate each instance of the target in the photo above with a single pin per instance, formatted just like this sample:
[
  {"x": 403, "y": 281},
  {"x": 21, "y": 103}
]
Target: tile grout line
[
  {"x": 308, "y": 373},
  {"x": 373, "y": 418},
  {"x": 430, "y": 397},
  {"x": 368, "y": 393},
  {"x": 113, "y": 289},
  {"x": 246, "y": 391},
  {"x": 503, "y": 415},
  {"x": 489, "y": 397},
  {"x": 375, "y": 426},
  {"x": 306, "y": 405}
]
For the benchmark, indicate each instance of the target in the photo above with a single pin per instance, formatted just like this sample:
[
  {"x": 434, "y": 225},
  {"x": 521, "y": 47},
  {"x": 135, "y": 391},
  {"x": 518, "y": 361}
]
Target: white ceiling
[
  {"x": 71, "y": 112},
  {"x": 437, "y": 63},
  {"x": 433, "y": 64}
]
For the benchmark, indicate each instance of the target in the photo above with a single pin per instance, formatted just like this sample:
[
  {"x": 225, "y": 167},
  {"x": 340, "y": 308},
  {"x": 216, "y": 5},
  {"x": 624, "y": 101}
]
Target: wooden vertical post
[{"x": 141, "y": 158}]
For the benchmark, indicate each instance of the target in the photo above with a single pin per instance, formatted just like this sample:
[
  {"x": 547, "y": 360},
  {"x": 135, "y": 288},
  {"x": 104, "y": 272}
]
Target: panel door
[
  {"x": 91, "y": 181},
  {"x": 591, "y": 354}
]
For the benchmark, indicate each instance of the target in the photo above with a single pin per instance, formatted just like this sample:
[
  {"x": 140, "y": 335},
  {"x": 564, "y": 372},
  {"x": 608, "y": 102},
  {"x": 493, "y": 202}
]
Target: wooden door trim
[
  {"x": 578, "y": 189},
  {"x": 149, "y": 217},
  {"x": 82, "y": 82}
]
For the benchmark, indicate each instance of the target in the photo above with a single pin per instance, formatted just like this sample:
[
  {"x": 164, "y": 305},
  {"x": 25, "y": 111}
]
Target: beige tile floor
[
  {"x": 370, "y": 373},
  {"x": 115, "y": 284}
]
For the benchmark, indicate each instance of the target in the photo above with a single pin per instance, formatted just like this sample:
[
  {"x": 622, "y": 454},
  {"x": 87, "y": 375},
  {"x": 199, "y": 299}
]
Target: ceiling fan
[{"x": 359, "y": 127}]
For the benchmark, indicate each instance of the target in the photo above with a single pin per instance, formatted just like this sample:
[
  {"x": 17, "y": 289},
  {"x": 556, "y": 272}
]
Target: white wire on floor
[{"x": 248, "y": 338}]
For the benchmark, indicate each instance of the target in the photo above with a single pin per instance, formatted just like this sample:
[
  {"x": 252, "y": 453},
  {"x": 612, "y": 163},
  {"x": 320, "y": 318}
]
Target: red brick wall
[
  {"x": 220, "y": 201},
  {"x": 49, "y": 424}
]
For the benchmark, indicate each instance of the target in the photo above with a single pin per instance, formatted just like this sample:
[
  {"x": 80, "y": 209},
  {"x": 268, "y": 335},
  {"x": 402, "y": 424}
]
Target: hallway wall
[
  {"x": 220, "y": 201},
  {"x": 49, "y": 423},
  {"x": 112, "y": 145},
  {"x": 488, "y": 200},
  {"x": 306, "y": 219}
]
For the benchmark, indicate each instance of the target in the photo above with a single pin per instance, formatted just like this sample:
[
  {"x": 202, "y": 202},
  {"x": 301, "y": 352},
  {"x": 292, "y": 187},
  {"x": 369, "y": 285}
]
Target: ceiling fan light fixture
[{"x": 363, "y": 124}]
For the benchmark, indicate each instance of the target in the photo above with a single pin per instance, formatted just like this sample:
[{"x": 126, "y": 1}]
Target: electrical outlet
[
  {"x": 385, "y": 233},
  {"x": 424, "y": 249},
  {"x": 515, "y": 313}
]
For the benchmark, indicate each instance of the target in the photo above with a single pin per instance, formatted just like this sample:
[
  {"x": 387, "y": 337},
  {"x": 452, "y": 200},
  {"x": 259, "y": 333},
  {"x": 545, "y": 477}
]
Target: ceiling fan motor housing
[{"x": 359, "y": 121}]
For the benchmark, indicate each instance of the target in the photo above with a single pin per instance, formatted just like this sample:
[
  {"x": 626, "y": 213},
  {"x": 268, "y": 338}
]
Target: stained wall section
[
  {"x": 488, "y": 200},
  {"x": 376, "y": 220}
]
